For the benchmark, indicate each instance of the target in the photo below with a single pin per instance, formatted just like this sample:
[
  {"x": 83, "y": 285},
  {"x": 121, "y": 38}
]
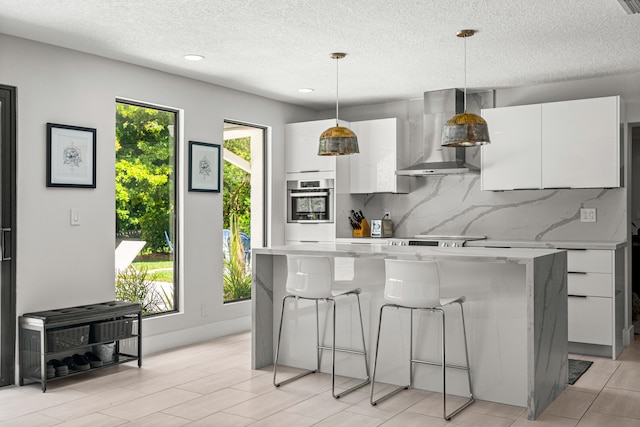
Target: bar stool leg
[
  {"x": 410, "y": 348},
  {"x": 318, "y": 348},
  {"x": 364, "y": 345},
  {"x": 467, "y": 368},
  {"x": 375, "y": 358},
  {"x": 466, "y": 352},
  {"x": 363, "y": 353},
  {"x": 275, "y": 362},
  {"x": 375, "y": 362},
  {"x": 444, "y": 369},
  {"x": 333, "y": 351}
]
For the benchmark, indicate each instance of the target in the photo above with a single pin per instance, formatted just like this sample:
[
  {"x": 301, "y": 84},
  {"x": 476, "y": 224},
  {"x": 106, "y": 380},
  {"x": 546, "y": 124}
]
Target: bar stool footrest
[
  {"x": 447, "y": 365},
  {"x": 343, "y": 350}
]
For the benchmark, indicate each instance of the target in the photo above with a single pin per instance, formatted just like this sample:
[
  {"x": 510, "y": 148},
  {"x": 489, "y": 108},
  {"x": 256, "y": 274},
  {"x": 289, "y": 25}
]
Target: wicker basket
[
  {"x": 111, "y": 331},
  {"x": 66, "y": 338}
]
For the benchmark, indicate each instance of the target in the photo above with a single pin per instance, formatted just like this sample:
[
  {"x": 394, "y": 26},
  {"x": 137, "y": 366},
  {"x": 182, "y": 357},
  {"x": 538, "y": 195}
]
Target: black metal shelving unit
[{"x": 42, "y": 336}]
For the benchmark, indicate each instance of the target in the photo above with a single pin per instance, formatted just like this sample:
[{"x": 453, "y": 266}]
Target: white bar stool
[
  {"x": 311, "y": 278},
  {"x": 415, "y": 285}
]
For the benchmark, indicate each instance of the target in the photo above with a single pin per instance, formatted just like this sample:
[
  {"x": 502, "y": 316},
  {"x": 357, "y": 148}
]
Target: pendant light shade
[
  {"x": 338, "y": 140},
  {"x": 466, "y": 129}
]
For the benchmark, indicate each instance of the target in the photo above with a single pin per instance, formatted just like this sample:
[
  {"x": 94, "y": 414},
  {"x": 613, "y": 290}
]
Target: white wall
[{"x": 59, "y": 265}]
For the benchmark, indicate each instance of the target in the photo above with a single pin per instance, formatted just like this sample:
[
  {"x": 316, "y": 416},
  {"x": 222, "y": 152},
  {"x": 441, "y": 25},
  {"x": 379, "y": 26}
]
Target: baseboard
[
  {"x": 628, "y": 335},
  {"x": 170, "y": 340},
  {"x": 590, "y": 349}
]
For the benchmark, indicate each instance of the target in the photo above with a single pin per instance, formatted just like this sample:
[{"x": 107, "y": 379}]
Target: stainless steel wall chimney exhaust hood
[{"x": 439, "y": 106}]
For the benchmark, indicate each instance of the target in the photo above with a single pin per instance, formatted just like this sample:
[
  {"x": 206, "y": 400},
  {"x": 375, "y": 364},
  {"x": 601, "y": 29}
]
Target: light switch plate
[
  {"x": 75, "y": 216},
  {"x": 588, "y": 215}
]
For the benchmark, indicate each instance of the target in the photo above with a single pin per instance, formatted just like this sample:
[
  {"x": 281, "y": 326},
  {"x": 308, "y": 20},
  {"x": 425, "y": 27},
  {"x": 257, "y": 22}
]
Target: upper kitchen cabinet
[
  {"x": 301, "y": 146},
  {"x": 569, "y": 144},
  {"x": 509, "y": 162},
  {"x": 382, "y": 145},
  {"x": 581, "y": 143}
]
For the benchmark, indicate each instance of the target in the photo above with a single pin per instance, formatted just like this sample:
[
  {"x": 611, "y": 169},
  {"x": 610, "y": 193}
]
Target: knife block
[{"x": 364, "y": 231}]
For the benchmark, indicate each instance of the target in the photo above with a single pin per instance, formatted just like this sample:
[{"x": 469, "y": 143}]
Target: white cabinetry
[
  {"x": 594, "y": 287},
  {"x": 570, "y": 144},
  {"x": 581, "y": 143},
  {"x": 301, "y": 147},
  {"x": 310, "y": 233},
  {"x": 382, "y": 147},
  {"x": 511, "y": 162}
]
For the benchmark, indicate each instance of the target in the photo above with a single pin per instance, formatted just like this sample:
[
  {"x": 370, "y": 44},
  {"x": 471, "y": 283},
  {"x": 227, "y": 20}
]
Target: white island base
[{"x": 515, "y": 312}]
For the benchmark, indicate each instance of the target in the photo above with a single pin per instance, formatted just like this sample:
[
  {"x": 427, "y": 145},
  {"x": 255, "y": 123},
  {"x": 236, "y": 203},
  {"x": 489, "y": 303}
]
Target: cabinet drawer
[
  {"x": 590, "y": 284},
  {"x": 590, "y": 320},
  {"x": 590, "y": 261},
  {"x": 319, "y": 232}
]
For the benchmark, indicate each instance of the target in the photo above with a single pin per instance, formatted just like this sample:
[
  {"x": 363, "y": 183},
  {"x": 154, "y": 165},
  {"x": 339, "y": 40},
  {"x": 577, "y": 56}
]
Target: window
[
  {"x": 146, "y": 206},
  {"x": 243, "y": 205}
]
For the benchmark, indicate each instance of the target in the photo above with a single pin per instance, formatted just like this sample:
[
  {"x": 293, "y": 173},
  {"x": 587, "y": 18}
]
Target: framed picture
[
  {"x": 204, "y": 167},
  {"x": 71, "y": 156}
]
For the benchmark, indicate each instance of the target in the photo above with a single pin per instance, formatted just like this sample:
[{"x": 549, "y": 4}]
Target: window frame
[{"x": 176, "y": 198}]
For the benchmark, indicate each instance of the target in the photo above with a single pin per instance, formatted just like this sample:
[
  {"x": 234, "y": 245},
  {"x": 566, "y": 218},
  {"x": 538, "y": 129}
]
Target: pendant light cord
[
  {"x": 337, "y": 83},
  {"x": 465, "y": 74}
]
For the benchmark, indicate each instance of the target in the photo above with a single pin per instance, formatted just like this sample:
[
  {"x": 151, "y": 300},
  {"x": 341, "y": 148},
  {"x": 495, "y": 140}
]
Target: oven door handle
[{"x": 311, "y": 194}]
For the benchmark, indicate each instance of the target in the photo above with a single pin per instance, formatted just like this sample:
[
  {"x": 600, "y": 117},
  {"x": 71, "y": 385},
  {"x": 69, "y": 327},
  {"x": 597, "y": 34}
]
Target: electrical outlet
[
  {"x": 588, "y": 215},
  {"x": 387, "y": 215},
  {"x": 203, "y": 309}
]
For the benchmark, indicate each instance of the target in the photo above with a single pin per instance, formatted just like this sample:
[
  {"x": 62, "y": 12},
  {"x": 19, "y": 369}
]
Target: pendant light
[
  {"x": 466, "y": 129},
  {"x": 338, "y": 140}
]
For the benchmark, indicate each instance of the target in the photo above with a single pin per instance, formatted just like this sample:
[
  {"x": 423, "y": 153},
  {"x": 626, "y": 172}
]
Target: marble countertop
[
  {"x": 497, "y": 243},
  {"x": 550, "y": 244},
  {"x": 382, "y": 250}
]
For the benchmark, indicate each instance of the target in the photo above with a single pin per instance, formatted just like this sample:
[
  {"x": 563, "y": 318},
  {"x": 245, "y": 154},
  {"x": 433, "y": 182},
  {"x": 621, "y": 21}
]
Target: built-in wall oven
[{"x": 310, "y": 201}]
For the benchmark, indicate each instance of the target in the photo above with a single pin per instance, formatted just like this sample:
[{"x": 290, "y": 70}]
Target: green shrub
[
  {"x": 236, "y": 279},
  {"x": 137, "y": 286},
  {"x": 168, "y": 298}
]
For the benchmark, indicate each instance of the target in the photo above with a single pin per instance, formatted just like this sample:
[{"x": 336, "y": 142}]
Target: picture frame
[
  {"x": 71, "y": 156},
  {"x": 204, "y": 166}
]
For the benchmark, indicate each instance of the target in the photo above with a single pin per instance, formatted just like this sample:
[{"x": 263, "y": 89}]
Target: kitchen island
[{"x": 516, "y": 316}]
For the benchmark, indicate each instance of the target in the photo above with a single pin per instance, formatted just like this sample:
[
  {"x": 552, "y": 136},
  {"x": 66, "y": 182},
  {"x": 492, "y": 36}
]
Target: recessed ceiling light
[
  {"x": 306, "y": 90},
  {"x": 193, "y": 57}
]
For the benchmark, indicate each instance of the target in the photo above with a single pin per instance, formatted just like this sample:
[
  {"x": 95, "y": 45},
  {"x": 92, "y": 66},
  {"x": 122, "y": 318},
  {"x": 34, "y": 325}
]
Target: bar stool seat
[
  {"x": 415, "y": 285},
  {"x": 311, "y": 278}
]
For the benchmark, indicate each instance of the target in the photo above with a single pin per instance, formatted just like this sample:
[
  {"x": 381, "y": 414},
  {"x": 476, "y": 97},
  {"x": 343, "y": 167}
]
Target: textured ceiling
[{"x": 397, "y": 49}]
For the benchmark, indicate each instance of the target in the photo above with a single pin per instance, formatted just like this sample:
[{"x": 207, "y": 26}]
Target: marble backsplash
[{"x": 454, "y": 205}]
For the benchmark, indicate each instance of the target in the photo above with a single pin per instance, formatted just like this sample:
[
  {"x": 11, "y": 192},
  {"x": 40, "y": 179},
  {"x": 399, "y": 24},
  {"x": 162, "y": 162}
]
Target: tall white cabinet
[
  {"x": 301, "y": 142},
  {"x": 382, "y": 147},
  {"x": 302, "y": 162},
  {"x": 569, "y": 144}
]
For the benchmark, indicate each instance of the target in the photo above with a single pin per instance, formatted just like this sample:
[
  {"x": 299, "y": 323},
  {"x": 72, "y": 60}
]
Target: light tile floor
[{"x": 212, "y": 384}]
